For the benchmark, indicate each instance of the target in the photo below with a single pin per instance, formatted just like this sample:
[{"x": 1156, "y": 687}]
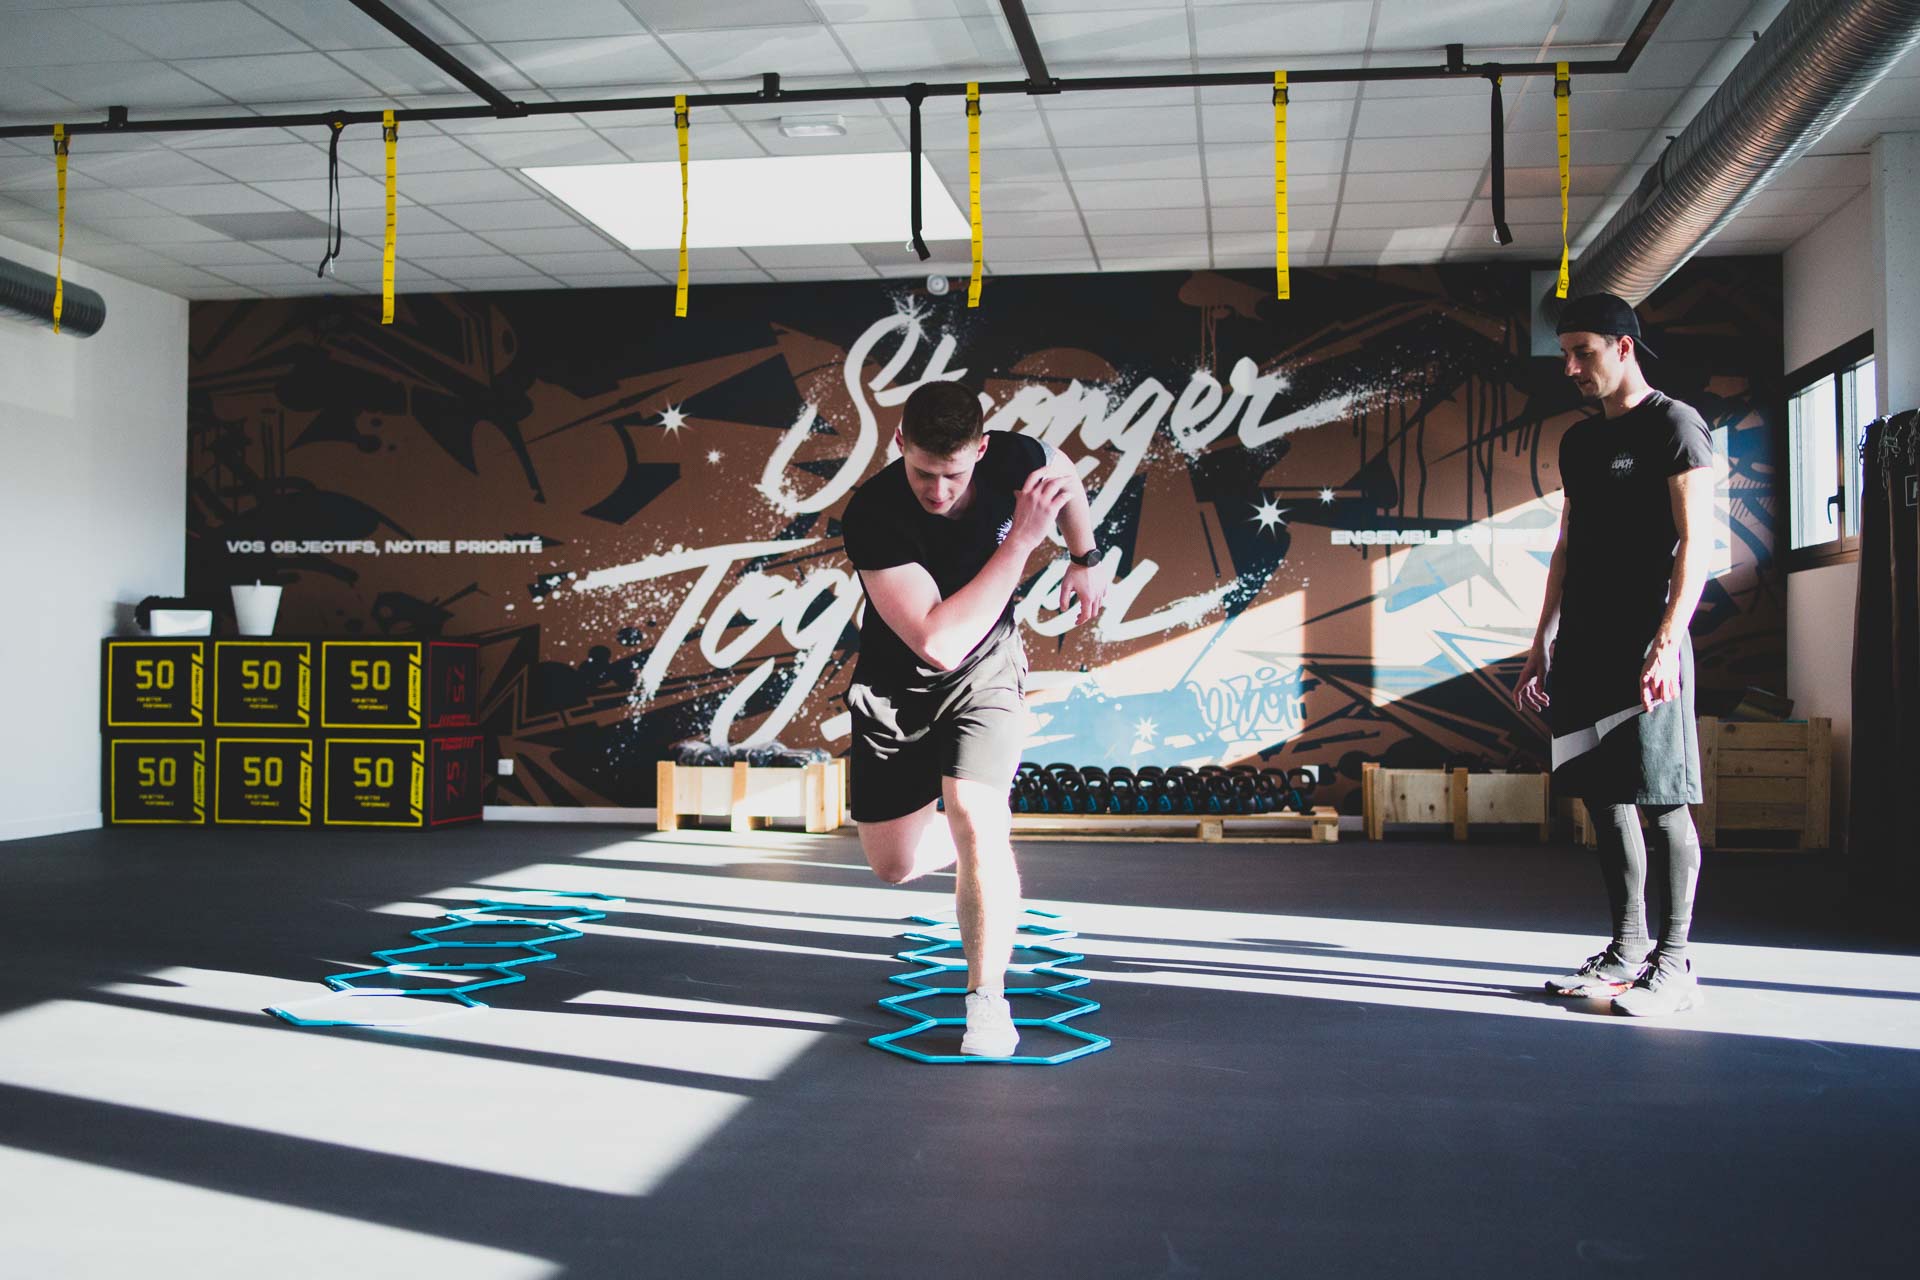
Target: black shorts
[{"x": 907, "y": 738}]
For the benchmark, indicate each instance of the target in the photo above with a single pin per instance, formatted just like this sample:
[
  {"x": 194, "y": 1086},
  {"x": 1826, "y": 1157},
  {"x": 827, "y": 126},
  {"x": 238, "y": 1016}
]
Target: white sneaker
[{"x": 990, "y": 1029}]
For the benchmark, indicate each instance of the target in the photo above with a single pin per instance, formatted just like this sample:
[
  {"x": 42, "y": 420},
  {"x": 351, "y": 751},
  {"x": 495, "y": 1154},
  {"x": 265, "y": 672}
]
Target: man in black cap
[{"x": 1636, "y": 539}]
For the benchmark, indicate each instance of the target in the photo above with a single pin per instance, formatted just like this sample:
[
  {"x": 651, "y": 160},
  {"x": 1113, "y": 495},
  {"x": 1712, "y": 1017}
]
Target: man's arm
[
  {"x": 1082, "y": 582},
  {"x": 943, "y": 632},
  {"x": 1529, "y": 694},
  {"x": 1691, "y": 493}
]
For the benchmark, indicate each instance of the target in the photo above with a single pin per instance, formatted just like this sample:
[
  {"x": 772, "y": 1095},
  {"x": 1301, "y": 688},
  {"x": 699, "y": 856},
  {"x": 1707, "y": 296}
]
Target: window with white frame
[{"x": 1829, "y": 404}]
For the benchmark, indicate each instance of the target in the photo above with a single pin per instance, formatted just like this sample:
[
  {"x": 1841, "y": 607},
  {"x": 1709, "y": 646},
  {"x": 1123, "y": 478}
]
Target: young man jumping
[{"x": 941, "y": 538}]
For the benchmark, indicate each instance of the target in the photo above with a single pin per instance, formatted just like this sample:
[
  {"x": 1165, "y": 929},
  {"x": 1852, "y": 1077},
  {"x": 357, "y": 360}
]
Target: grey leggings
[{"x": 1623, "y": 865}]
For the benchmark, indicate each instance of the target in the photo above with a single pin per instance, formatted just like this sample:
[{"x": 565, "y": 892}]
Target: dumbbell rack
[{"x": 1180, "y": 804}]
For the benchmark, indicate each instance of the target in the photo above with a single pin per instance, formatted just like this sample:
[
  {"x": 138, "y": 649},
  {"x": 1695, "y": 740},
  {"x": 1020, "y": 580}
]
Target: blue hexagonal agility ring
[
  {"x": 941, "y": 955},
  {"x": 458, "y": 967}
]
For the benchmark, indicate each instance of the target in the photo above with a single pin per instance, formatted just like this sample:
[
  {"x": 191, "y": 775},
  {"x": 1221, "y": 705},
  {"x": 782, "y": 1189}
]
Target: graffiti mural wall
[{"x": 1330, "y": 518}]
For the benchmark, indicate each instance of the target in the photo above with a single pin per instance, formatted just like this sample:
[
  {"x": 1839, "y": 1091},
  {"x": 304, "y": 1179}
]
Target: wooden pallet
[
  {"x": 1322, "y": 826},
  {"x": 1453, "y": 797},
  {"x": 1759, "y": 777},
  {"x": 813, "y": 797}
]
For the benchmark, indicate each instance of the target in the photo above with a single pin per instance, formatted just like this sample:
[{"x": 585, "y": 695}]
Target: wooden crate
[
  {"x": 813, "y": 797},
  {"x": 1758, "y": 776},
  {"x": 1322, "y": 826},
  {"x": 1452, "y": 797}
]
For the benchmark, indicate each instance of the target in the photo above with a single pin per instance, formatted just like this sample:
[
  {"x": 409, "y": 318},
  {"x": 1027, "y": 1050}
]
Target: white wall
[
  {"x": 1831, "y": 297},
  {"x": 1830, "y": 289},
  {"x": 93, "y": 457}
]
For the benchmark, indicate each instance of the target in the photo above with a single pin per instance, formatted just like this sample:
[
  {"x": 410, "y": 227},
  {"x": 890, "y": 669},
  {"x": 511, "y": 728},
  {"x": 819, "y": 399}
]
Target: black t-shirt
[
  {"x": 885, "y": 526},
  {"x": 1621, "y": 535}
]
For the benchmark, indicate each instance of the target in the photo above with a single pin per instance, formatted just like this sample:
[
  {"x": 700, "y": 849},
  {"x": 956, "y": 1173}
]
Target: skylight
[{"x": 767, "y": 200}]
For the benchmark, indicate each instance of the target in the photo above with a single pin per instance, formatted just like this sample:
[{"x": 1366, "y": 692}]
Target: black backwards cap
[{"x": 1606, "y": 314}]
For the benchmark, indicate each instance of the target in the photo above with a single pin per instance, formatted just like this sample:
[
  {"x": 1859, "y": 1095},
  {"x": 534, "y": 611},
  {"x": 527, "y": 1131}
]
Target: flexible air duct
[
  {"x": 1811, "y": 67},
  {"x": 28, "y": 295}
]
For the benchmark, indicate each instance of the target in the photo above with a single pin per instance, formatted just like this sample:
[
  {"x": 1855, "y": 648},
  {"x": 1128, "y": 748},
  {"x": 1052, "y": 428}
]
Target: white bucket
[{"x": 254, "y": 607}]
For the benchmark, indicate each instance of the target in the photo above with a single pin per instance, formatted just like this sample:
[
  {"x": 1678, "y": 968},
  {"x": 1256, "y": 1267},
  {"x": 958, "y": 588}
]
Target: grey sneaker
[
  {"x": 1607, "y": 973},
  {"x": 1668, "y": 986}
]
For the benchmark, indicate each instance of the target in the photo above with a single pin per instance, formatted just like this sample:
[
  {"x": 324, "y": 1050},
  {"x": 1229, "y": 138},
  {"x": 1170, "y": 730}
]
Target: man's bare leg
[
  {"x": 903, "y": 849},
  {"x": 988, "y": 889}
]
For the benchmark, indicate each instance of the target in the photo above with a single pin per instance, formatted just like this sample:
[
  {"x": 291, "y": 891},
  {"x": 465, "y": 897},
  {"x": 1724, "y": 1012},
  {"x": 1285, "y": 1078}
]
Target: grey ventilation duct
[
  {"x": 28, "y": 294},
  {"x": 1813, "y": 65}
]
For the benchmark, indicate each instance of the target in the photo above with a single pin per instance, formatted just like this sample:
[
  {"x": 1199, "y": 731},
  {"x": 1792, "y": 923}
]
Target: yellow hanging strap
[
  {"x": 1562, "y": 96},
  {"x": 680, "y": 283},
  {"x": 1283, "y": 274},
  {"x": 60, "y": 257},
  {"x": 391, "y": 132},
  {"x": 973, "y": 187}
]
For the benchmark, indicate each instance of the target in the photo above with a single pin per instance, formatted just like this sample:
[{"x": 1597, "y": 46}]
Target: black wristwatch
[{"x": 1087, "y": 559}]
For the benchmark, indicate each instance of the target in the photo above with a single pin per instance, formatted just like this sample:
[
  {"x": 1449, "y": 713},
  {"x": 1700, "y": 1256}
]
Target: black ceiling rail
[
  {"x": 1038, "y": 79},
  {"x": 770, "y": 93},
  {"x": 433, "y": 51}
]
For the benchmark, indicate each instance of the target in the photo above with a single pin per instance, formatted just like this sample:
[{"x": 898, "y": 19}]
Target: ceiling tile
[
  {"x": 945, "y": 44},
  {"x": 494, "y": 20},
  {"x": 444, "y": 244},
  {"x": 714, "y": 139},
  {"x": 520, "y": 150},
  {"x": 1441, "y": 184},
  {"x": 182, "y": 30},
  {"x": 1100, "y": 36},
  {"x": 1106, "y": 223},
  {"x": 1402, "y": 239},
  {"x": 265, "y": 164},
  {"x": 704, "y": 15},
  {"x": 1419, "y": 117},
  {"x": 1259, "y": 244},
  {"x": 720, "y": 275},
  {"x": 838, "y": 11},
  {"x": 155, "y": 166},
  {"x": 418, "y": 153},
  {"x": 277, "y": 78},
  {"x": 667, "y": 261},
  {"x": 549, "y": 240},
  {"x": 1129, "y": 127},
  {"x": 801, "y": 275},
  {"x": 1668, "y": 64},
  {"x": 747, "y": 54},
  {"x": 468, "y": 187},
  {"x": 223, "y": 197},
  {"x": 628, "y": 64},
  {"x": 1253, "y": 122},
  {"x": 599, "y": 262},
  {"x": 495, "y": 215},
  {"x": 1055, "y": 222},
  {"x": 1408, "y": 213},
  {"x": 1300, "y": 217},
  {"x": 1276, "y": 31},
  {"x": 807, "y": 255},
  {"x": 1035, "y": 248},
  {"x": 1394, "y": 155},
  {"x": 1054, "y": 266},
  {"x": 1020, "y": 165},
  {"x": 52, "y": 37},
  {"x": 1143, "y": 195},
  {"x": 311, "y": 195},
  {"x": 1421, "y": 26},
  {"x": 400, "y": 71},
  {"x": 148, "y": 87},
  {"x": 1134, "y": 164},
  {"x": 1012, "y": 196}
]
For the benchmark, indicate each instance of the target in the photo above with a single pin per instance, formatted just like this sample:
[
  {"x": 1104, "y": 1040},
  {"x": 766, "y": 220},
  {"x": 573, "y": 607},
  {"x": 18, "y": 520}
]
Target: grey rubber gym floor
[{"x": 1327, "y": 1061}]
